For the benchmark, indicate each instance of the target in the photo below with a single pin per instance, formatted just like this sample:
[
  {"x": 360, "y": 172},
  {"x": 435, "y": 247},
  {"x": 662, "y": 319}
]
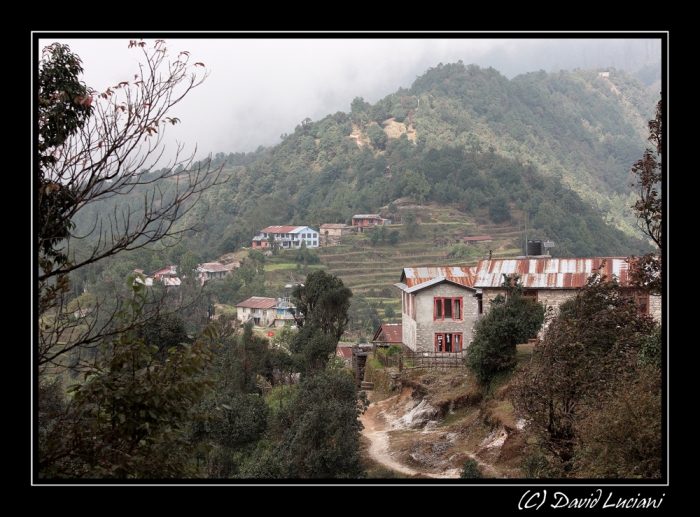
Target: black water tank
[{"x": 535, "y": 248}]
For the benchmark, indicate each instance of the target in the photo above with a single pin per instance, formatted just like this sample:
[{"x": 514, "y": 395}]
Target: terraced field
[{"x": 368, "y": 269}]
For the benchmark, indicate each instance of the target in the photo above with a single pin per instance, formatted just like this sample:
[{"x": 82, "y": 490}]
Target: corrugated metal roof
[
  {"x": 215, "y": 267},
  {"x": 344, "y": 351},
  {"x": 535, "y": 273},
  {"x": 414, "y": 276},
  {"x": 282, "y": 229},
  {"x": 366, "y": 216},
  {"x": 332, "y": 226},
  {"x": 550, "y": 273},
  {"x": 258, "y": 302},
  {"x": 393, "y": 333}
]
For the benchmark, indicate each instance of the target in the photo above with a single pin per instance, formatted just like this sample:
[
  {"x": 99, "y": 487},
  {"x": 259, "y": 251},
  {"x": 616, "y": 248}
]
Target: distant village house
[
  {"x": 167, "y": 275},
  {"x": 266, "y": 312},
  {"x": 215, "y": 270},
  {"x": 363, "y": 221},
  {"x": 288, "y": 237}
]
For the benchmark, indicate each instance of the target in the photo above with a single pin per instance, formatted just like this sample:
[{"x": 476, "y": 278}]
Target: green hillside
[{"x": 470, "y": 152}]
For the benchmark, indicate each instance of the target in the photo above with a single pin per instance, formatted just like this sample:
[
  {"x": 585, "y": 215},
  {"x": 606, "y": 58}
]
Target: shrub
[{"x": 470, "y": 470}]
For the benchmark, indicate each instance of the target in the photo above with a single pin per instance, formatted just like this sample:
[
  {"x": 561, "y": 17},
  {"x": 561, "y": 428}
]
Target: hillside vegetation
[{"x": 550, "y": 151}]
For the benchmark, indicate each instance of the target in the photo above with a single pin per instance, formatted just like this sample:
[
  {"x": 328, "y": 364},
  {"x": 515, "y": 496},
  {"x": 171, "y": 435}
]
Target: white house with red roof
[
  {"x": 288, "y": 237},
  {"x": 266, "y": 312}
]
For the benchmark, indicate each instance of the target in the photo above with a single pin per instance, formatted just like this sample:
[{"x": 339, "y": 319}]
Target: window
[
  {"x": 530, "y": 293},
  {"x": 642, "y": 299},
  {"x": 448, "y": 342},
  {"x": 643, "y": 302},
  {"x": 449, "y": 309}
]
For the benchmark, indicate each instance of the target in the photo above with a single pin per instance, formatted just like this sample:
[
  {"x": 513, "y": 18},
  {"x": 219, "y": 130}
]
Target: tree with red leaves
[{"x": 646, "y": 271}]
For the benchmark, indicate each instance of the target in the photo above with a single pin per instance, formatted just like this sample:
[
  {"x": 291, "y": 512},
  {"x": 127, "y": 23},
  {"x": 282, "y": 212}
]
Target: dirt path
[
  {"x": 376, "y": 430},
  {"x": 384, "y": 417}
]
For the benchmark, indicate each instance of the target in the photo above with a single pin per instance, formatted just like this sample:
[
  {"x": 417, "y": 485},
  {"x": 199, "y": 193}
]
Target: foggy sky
[{"x": 261, "y": 86}]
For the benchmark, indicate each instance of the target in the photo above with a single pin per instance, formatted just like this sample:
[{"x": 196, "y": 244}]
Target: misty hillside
[{"x": 554, "y": 146}]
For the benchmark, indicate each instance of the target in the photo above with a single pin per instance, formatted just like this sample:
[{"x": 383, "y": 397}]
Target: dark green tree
[
  {"x": 417, "y": 187},
  {"x": 411, "y": 223},
  {"x": 317, "y": 433},
  {"x": 167, "y": 332},
  {"x": 323, "y": 301},
  {"x": 389, "y": 312},
  {"x": 377, "y": 136},
  {"x": 470, "y": 470},
  {"x": 129, "y": 416},
  {"x": 499, "y": 209},
  {"x": 394, "y": 237},
  {"x": 511, "y": 319}
]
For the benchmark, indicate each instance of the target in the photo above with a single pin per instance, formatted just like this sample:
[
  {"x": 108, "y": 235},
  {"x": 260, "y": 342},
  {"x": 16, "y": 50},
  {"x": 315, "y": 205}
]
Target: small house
[
  {"x": 333, "y": 232},
  {"x": 214, "y": 271},
  {"x": 363, "y": 221},
  {"x": 266, "y": 312},
  {"x": 439, "y": 308},
  {"x": 260, "y": 309},
  {"x": 388, "y": 334}
]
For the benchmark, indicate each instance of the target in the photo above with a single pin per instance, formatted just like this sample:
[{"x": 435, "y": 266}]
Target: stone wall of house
[
  {"x": 408, "y": 331},
  {"x": 426, "y": 327},
  {"x": 556, "y": 297},
  {"x": 655, "y": 307},
  {"x": 548, "y": 297}
]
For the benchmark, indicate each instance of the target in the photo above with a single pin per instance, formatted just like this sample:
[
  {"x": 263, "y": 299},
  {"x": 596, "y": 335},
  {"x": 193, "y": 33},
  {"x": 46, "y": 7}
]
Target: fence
[
  {"x": 389, "y": 361},
  {"x": 443, "y": 360}
]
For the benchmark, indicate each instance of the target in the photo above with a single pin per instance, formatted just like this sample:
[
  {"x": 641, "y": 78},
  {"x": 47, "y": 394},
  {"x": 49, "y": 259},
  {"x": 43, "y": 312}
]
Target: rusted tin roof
[
  {"x": 215, "y": 267},
  {"x": 258, "y": 302},
  {"x": 550, "y": 273},
  {"x": 392, "y": 333},
  {"x": 464, "y": 275},
  {"x": 344, "y": 351},
  {"x": 535, "y": 273},
  {"x": 281, "y": 229}
]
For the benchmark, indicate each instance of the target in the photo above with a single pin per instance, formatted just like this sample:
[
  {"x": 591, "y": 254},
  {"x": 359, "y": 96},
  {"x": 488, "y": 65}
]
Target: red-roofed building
[
  {"x": 288, "y": 237},
  {"x": 266, "y": 311},
  {"x": 362, "y": 221},
  {"x": 345, "y": 353},
  {"x": 388, "y": 334}
]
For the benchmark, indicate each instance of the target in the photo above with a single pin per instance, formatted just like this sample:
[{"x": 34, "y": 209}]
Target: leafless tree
[{"x": 112, "y": 150}]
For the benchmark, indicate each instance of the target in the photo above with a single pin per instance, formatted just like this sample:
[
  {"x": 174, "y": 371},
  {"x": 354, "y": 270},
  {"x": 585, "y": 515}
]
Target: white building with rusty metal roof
[{"x": 441, "y": 305}]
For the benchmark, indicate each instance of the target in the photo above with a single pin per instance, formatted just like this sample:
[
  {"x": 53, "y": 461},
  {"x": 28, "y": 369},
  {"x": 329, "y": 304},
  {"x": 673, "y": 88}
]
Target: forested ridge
[{"x": 557, "y": 146}]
